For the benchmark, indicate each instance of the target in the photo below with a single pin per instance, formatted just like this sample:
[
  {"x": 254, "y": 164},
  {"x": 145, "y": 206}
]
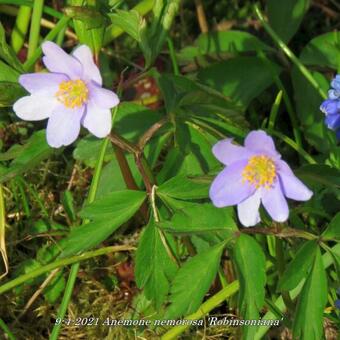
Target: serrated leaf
[
  {"x": 308, "y": 320},
  {"x": 106, "y": 214},
  {"x": 130, "y": 22},
  {"x": 31, "y": 154},
  {"x": 285, "y": 16},
  {"x": 154, "y": 268},
  {"x": 200, "y": 218},
  {"x": 183, "y": 187},
  {"x": 333, "y": 230},
  {"x": 250, "y": 264},
  {"x": 200, "y": 271},
  {"x": 299, "y": 267}
]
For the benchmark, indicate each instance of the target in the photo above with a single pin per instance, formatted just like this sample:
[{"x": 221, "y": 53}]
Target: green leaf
[
  {"x": 106, "y": 214},
  {"x": 299, "y": 267},
  {"x": 319, "y": 174},
  {"x": 87, "y": 150},
  {"x": 9, "y": 93},
  {"x": 93, "y": 37},
  {"x": 323, "y": 50},
  {"x": 223, "y": 42},
  {"x": 285, "y": 16},
  {"x": 55, "y": 288},
  {"x": 251, "y": 268},
  {"x": 229, "y": 41},
  {"x": 7, "y": 53},
  {"x": 29, "y": 155},
  {"x": 308, "y": 320},
  {"x": 154, "y": 268},
  {"x": 91, "y": 17},
  {"x": 8, "y": 73},
  {"x": 333, "y": 230},
  {"x": 67, "y": 200},
  {"x": 130, "y": 22},
  {"x": 132, "y": 120},
  {"x": 198, "y": 272},
  {"x": 183, "y": 187},
  {"x": 200, "y": 218},
  {"x": 164, "y": 14},
  {"x": 308, "y": 101},
  {"x": 238, "y": 78},
  {"x": 182, "y": 92}
]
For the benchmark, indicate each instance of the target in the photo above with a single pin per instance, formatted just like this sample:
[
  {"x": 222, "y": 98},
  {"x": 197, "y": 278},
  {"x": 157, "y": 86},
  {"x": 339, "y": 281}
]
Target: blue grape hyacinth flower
[{"x": 331, "y": 106}]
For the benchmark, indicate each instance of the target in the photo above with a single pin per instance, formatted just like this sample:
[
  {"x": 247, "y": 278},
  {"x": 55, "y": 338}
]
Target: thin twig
[
  {"x": 150, "y": 132},
  {"x": 36, "y": 294}
]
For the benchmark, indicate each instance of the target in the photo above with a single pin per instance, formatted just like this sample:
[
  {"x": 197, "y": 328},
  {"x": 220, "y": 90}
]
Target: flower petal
[
  {"x": 57, "y": 60},
  {"x": 63, "y": 126},
  {"x": 227, "y": 188},
  {"x": 91, "y": 71},
  {"x": 330, "y": 107},
  {"x": 333, "y": 121},
  {"x": 103, "y": 98},
  {"x": 335, "y": 83},
  {"x": 34, "y": 107},
  {"x": 292, "y": 187},
  {"x": 97, "y": 120},
  {"x": 42, "y": 83},
  {"x": 248, "y": 210},
  {"x": 227, "y": 152},
  {"x": 259, "y": 141},
  {"x": 275, "y": 203}
]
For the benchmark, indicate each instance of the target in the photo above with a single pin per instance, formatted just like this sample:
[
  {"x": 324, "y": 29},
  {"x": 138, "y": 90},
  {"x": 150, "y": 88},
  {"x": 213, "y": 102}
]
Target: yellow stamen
[
  {"x": 72, "y": 93},
  {"x": 259, "y": 171}
]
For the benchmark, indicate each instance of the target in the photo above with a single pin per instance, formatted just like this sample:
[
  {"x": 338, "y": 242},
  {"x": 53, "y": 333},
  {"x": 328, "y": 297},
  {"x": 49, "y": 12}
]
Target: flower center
[
  {"x": 260, "y": 171},
  {"x": 72, "y": 93}
]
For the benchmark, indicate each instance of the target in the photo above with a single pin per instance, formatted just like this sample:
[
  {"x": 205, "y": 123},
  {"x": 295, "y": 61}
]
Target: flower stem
[
  {"x": 66, "y": 299},
  {"x": 6, "y": 330},
  {"x": 61, "y": 263},
  {"x": 50, "y": 36},
  {"x": 75, "y": 267},
  {"x": 306, "y": 73},
  {"x": 35, "y": 27},
  {"x": 21, "y": 27}
]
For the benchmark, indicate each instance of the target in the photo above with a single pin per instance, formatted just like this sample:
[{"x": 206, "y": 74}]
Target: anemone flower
[
  {"x": 255, "y": 174},
  {"x": 70, "y": 96}
]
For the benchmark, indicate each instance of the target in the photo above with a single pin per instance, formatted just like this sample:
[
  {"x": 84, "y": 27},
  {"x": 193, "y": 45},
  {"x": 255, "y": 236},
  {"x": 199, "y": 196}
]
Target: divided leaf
[
  {"x": 299, "y": 267},
  {"x": 251, "y": 267},
  {"x": 154, "y": 268},
  {"x": 183, "y": 187},
  {"x": 308, "y": 320},
  {"x": 201, "y": 218},
  {"x": 106, "y": 214},
  {"x": 28, "y": 156},
  {"x": 333, "y": 230},
  {"x": 198, "y": 272}
]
